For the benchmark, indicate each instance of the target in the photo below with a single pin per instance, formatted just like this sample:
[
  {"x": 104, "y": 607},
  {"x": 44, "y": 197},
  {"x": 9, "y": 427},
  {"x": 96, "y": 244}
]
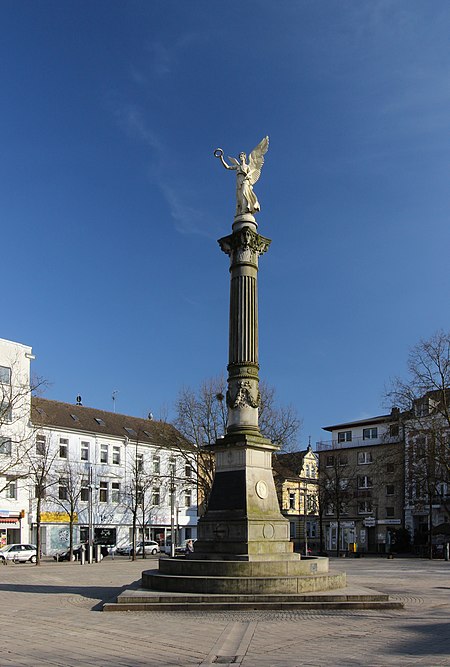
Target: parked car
[
  {"x": 76, "y": 552},
  {"x": 181, "y": 549},
  {"x": 19, "y": 553},
  {"x": 124, "y": 550},
  {"x": 150, "y": 547},
  {"x": 64, "y": 554}
]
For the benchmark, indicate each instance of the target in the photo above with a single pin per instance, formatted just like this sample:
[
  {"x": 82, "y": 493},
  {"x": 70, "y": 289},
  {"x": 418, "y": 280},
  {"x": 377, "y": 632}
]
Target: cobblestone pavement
[{"x": 51, "y": 616}]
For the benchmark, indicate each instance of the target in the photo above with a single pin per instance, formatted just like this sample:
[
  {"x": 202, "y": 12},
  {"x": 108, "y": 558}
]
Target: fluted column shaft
[{"x": 243, "y": 246}]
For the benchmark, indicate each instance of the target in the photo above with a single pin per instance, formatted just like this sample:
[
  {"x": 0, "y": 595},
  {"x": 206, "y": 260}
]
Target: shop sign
[
  {"x": 343, "y": 524},
  {"x": 369, "y": 522},
  {"x": 57, "y": 517},
  {"x": 390, "y": 522}
]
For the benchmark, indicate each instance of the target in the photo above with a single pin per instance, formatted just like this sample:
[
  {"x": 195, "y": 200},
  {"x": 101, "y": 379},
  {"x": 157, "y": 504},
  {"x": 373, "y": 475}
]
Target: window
[
  {"x": 99, "y": 421},
  {"x": 5, "y": 375},
  {"x": 130, "y": 431},
  {"x": 364, "y": 482},
  {"x": 390, "y": 467},
  {"x": 308, "y": 470},
  {"x": 85, "y": 451},
  {"x": 364, "y": 458},
  {"x": 62, "y": 490},
  {"x": 394, "y": 430},
  {"x": 343, "y": 460},
  {"x": 103, "y": 492},
  {"x": 5, "y": 411},
  {"x": 390, "y": 513},
  {"x": 139, "y": 462},
  {"x": 345, "y": 436},
  {"x": 115, "y": 492},
  {"x": 420, "y": 446},
  {"x": 330, "y": 461},
  {"x": 188, "y": 498},
  {"x": 188, "y": 470},
  {"x": 39, "y": 490},
  {"x": 156, "y": 465},
  {"x": 292, "y": 501},
  {"x": 116, "y": 455},
  {"x": 172, "y": 465},
  {"x": 11, "y": 488},
  {"x": 63, "y": 448},
  {"x": 104, "y": 453},
  {"x": 140, "y": 495},
  {"x": 40, "y": 445},
  {"x": 329, "y": 508},
  {"x": 156, "y": 495},
  {"x": 365, "y": 507},
  {"x": 311, "y": 528},
  {"x": 370, "y": 433},
  {"x": 5, "y": 447},
  {"x": 84, "y": 494},
  {"x": 390, "y": 490}
]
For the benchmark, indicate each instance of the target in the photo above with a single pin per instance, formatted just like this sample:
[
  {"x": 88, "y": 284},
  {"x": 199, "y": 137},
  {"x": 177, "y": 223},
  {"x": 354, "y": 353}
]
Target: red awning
[{"x": 4, "y": 519}]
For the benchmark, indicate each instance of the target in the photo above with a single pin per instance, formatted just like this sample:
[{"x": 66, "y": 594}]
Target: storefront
[{"x": 10, "y": 528}]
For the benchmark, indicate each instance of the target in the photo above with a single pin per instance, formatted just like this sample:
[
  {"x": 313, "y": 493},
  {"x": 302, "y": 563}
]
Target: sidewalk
[{"x": 50, "y": 615}]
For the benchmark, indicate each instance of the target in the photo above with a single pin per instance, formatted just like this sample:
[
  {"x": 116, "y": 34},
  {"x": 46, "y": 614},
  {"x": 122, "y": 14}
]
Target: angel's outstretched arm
[{"x": 219, "y": 153}]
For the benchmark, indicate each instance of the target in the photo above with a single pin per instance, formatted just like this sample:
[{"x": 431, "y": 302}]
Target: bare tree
[
  {"x": 69, "y": 487},
  {"x": 336, "y": 489},
  {"x": 138, "y": 493},
  {"x": 279, "y": 423},
  {"x": 423, "y": 399},
  {"x": 40, "y": 465},
  {"x": 16, "y": 432}
]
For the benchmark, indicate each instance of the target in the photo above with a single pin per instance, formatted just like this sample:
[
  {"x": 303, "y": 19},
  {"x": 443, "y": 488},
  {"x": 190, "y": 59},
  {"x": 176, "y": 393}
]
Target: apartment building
[{"x": 361, "y": 484}]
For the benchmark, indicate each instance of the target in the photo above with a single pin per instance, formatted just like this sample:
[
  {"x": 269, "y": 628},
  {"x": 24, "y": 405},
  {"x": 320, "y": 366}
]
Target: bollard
[
  {"x": 98, "y": 553},
  {"x": 82, "y": 554},
  {"x": 447, "y": 551}
]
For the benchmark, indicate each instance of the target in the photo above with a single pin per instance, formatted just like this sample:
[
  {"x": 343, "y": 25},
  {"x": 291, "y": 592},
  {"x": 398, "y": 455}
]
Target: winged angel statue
[{"x": 246, "y": 176}]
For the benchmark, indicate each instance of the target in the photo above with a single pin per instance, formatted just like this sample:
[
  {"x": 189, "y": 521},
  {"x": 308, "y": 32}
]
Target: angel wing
[
  {"x": 234, "y": 161},
  {"x": 256, "y": 160}
]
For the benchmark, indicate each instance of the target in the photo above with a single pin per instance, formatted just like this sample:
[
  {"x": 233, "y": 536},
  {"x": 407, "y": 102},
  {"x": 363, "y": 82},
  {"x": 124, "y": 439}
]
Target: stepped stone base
[
  {"x": 238, "y": 577},
  {"x": 347, "y": 598}
]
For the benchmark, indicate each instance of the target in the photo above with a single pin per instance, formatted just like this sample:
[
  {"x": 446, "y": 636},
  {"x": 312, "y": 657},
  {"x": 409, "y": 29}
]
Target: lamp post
[
  {"x": 172, "y": 513},
  {"x": 90, "y": 517}
]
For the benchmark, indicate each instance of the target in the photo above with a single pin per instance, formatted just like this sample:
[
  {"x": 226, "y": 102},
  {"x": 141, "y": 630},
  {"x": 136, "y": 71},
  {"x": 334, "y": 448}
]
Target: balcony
[{"x": 326, "y": 445}]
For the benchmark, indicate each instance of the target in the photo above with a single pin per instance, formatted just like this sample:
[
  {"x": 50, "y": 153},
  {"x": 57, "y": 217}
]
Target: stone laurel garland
[{"x": 243, "y": 396}]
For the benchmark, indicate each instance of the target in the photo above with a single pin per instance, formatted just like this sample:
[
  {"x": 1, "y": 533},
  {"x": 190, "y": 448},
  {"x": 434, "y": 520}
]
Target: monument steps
[{"x": 145, "y": 600}]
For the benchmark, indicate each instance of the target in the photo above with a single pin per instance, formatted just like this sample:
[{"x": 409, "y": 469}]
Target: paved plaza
[{"x": 51, "y": 616}]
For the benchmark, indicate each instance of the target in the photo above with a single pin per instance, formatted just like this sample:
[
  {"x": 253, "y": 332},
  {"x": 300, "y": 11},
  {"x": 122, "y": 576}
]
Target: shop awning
[{"x": 4, "y": 519}]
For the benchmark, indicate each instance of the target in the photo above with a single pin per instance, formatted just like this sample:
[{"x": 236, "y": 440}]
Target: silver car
[{"x": 19, "y": 553}]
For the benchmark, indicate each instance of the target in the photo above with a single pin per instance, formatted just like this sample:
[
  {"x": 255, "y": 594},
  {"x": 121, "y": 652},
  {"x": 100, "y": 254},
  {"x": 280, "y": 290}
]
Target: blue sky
[{"x": 111, "y": 201}]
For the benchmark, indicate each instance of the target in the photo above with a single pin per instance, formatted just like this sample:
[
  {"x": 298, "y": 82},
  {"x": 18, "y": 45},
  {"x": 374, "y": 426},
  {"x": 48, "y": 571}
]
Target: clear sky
[{"x": 111, "y": 201}]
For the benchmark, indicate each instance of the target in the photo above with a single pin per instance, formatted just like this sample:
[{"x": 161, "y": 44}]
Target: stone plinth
[{"x": 242, "y": 578}]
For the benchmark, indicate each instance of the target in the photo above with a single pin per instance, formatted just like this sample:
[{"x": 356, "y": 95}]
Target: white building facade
[{"x": 101, "y": 470}]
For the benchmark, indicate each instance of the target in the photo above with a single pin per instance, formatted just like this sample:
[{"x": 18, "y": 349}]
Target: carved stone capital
[{"x": 244, "y": 244}]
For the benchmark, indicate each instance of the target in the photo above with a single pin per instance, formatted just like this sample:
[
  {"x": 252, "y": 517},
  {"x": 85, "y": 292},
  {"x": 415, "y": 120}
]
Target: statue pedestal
[{"x": 243, "y": 520}]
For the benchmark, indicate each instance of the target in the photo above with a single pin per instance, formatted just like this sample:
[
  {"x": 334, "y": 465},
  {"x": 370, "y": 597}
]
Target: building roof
[
  {"x": 290, "y": 464},
  {"x": 381, "y": 419},
  {"x": 48, "y": 413}
]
